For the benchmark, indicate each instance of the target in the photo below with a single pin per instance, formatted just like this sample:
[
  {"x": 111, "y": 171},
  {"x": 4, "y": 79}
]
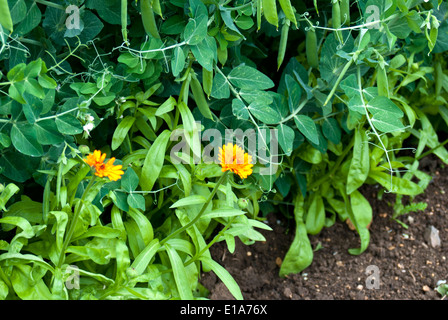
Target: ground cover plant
[{"x": 134, "y": 135}]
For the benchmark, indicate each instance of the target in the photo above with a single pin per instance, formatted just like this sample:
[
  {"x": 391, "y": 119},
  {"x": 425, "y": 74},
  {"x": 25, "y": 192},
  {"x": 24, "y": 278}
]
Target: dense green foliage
[{"x": 339, "y": 93}]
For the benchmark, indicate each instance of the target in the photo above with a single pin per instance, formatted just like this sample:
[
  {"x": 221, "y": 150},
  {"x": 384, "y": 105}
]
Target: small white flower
[{"x": 88, "y": 127}]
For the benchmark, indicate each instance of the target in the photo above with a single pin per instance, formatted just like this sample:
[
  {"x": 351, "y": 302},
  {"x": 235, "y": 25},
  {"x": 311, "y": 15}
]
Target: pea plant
[{"x": 134, "y": 135}]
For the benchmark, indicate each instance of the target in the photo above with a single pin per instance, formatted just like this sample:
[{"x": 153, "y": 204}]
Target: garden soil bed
[{"x": 409, "y": 267}]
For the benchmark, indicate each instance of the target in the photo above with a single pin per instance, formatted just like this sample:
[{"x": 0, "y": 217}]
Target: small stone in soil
[{"x": 432, "y": 236}]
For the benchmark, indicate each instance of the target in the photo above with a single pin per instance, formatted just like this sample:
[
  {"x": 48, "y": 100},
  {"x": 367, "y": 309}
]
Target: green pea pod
[
  {"x": 336, "y": 18},
  {"x": 149, "y": 21},
  {"x": 156, "y": 7},
  {"x": 124, "y": 20},
  {"x": 259, "y": 14},
  {"x": 311, "y": 48},
  {"x": 381, "y": 81},
  {"x": 283, "y": 43},
  {"x": 207, "y": 81},
  {"x": 270, "y": 11},
  {"x": 199, "y": 97},
  {"x": 345, "y": 11},
  {"x": 5, "y": 15},
  {"x": 288, "y": 10}
]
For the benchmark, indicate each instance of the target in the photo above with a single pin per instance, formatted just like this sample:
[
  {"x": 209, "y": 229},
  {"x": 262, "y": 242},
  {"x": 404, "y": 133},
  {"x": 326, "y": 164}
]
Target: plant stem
[
  {"x": 341, "y": 76},
  {"x": 74, "y": 222},
  {"x": 192, "y": 222},
  {"x": 334, "y": 168},
  {"x": 50, "y": 4}
]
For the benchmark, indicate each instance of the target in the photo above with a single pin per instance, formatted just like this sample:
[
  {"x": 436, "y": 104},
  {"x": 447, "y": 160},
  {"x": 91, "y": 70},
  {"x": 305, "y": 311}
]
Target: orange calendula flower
[
  {"x": 96, "y": 160},
  {"x": 232, "y": 158}
]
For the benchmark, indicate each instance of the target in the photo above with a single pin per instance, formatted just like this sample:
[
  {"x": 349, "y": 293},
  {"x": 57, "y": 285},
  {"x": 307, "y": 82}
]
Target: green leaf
[
  {"x": 224, "y": 276},
  {"x": 143, "y": 225},
  {"x": 121, "y": 131},
  {"x": 382, "y": 105},
  {"x": 395, "y": 184},
  {"x": 68, "y": 124},
  {"x": 47, "y": 133},
  {"x": 24, "y": 139},
  {"x": 108, "y": 10},
  {"x": 6, "y": 194},
  {"x": 385, "y": 122},
  {"x": 205, "y": 52},
  {"x": 286, "y": 138},
  {"x": 300, "y": 253},
  {"x": 239, "y": 109},
  {"x": 248, "y": 78},
  {"x": 5, "y": 15},
  {"x": 222, "y": 213},
  {"x": 136, "y": 201},
  {"x": 315, "y": 217},
  {"x": 220, "y": 87},
  {"x": 27, "y": 288},
  {"x": 196, "y": 30},
  {"x": 177, "y": 61},
  {"x": 331, "y": 130},
  {"x": 180, "y": 274},
  {"x": 153, "y": 163},
  {"x": 129, "y": 180},
  {"x": 142, "y": 261},
  {"x": 307, "y": 127},
  {"x": 362, "y": 210},
  {"x": 265, "y": 113},
  {"x": 189, "y": 201},
  {"x": 360, "y": 163}
]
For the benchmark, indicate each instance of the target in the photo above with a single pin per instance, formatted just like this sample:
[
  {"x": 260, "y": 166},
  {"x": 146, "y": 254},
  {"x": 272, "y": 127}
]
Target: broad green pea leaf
[
  {"x": 47, "y": 132},
  {"x": 386, "y": 122},
  {"x": 265, "y": 113},
  {"x": 24, "y": 139},
  {"x": 136, "y": 201},
  {"x": 249, "y": 78},
  {"x": 130, "y": 180},
  {"x": 205, "y": 52},
  {"x": 286, "y": 138},
  {"x": 332, "y": 130},
  {"x": 239, "y": 109},
  {"x": 307, "y": 127},
  {"x": 68, "y": 124},
  {"x": 177, "y": 61},
  {"x": 380, "y": 104},
  {"x": 220, "y": 87}
]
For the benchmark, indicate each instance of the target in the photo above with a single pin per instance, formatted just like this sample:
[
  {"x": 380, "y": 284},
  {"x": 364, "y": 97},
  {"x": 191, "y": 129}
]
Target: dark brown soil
[{"x": 409, "y": 267}]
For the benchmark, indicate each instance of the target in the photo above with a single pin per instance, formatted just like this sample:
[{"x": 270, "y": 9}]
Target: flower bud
[
  {"x": 84, "y": 149},
  {"x": 131, "y": 273},
  {"x": 242, "y": 203}
]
